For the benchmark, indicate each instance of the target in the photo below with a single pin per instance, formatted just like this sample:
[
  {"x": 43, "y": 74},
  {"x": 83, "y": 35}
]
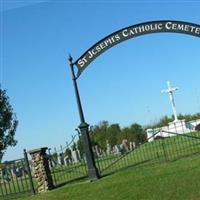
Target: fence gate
[
  {"x": 15, "y": 178},
  {"x": 160, "y": 150},
  {"x": 68, "y": 164}
]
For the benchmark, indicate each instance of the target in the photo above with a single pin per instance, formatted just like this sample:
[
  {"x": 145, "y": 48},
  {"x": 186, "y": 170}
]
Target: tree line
[{"x": 105, "y": 133}]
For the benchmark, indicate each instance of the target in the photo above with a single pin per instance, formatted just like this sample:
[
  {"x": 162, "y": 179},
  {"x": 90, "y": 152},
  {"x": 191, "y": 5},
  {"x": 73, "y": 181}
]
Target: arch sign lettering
[{"x": 134, "y": 31}]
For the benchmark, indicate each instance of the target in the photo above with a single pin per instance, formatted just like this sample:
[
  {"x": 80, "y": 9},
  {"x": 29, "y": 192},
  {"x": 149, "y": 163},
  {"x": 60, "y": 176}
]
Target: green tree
[
  {"x": 114, "y": 132},
  {"x": 8, "y": 124},
  {"x": 100, "y": 134},
  {"x": 139, "y": 133},
  {"x": 165, "y": 120}
]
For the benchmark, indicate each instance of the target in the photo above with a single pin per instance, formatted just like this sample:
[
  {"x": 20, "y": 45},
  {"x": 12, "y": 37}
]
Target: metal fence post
[
  {"x": 29, "y": 172},
  {"x": 164, "y": 150}
]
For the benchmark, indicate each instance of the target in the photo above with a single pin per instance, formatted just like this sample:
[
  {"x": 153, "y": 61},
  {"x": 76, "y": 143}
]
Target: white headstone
[
  {"x": 108, "y": 149},
  {"x": 75, "y": 156},
  {"x": 117, "y": 149}
]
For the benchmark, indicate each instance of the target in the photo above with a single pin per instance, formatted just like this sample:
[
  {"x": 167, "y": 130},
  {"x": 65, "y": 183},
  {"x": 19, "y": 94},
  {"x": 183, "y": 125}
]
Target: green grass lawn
[{"x": 178, "y": 180}]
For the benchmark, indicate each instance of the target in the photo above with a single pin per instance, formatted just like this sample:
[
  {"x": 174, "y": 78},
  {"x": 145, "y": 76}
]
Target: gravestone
[
  {"x": 67, "y": 160},
  {"x": 97, "y": 150},
  {"x": 61, "y": 159},
  {"x": 122, "y": 148},
  {"x": 125, "y": 144},
  {"x": 117, "y": 149},
  {"x": 75, "y": 156},
  {"x": 108, "y": 148},
  {"x": 131, "y": 146}
]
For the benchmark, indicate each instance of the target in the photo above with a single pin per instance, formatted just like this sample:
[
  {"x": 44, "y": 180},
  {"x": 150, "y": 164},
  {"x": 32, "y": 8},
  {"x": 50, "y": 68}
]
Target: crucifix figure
[{"x": 170, "y": 91}]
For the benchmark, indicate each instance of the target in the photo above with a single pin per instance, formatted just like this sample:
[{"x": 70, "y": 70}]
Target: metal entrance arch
[{"x": 162, "y": 26}]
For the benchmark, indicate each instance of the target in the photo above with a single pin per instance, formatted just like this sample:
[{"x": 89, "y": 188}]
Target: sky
[{"x": 123, "y": 85}]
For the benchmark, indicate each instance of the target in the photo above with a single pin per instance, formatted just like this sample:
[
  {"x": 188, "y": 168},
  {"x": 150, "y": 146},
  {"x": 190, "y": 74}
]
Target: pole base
[{"x": 93, "y": 174}]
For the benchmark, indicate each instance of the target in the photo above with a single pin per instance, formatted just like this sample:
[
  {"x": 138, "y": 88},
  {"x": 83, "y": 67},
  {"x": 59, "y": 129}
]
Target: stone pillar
[{"x": 41, "y": 169}]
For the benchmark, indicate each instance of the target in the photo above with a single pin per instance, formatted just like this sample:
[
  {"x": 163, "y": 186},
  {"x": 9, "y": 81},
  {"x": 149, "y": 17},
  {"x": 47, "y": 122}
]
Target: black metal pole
[{"x": 92, "y": 170}]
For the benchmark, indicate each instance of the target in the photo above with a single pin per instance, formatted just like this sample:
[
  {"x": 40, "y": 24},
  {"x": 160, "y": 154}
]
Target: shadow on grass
[
  {"x": 16, "y": 195},
  {"x": 125, "y": 168},
  {"x": 83, "y": 178}
]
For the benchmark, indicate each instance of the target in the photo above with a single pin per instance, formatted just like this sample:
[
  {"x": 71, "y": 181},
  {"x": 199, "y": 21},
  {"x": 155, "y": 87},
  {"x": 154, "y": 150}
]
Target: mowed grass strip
[{"x": 178, "y": 180}]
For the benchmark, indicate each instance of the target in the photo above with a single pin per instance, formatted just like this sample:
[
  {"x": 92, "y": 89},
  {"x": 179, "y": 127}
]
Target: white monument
[
  {"x": 75, "y": 156},
  {"x": 178, "y": 126},
  {"x": 175, "y": 127}
]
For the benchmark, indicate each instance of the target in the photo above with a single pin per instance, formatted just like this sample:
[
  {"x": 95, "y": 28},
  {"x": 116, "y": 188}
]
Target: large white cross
[{"x": 170, "y": 91}]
